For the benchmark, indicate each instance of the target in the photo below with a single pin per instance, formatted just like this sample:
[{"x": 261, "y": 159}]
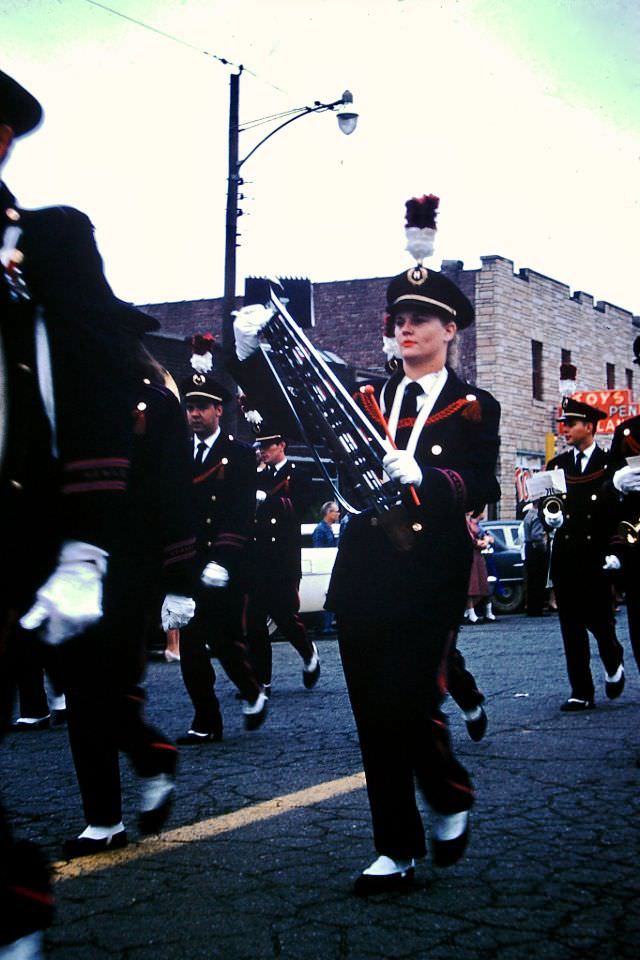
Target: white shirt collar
[
  {"x": 210, "y": 440},
  {"x": 587, "y": 454},
  {"x": 279, "y": 466}
]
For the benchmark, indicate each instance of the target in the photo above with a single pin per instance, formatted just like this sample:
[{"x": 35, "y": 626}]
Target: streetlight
[{"x": 347, "y": 121}]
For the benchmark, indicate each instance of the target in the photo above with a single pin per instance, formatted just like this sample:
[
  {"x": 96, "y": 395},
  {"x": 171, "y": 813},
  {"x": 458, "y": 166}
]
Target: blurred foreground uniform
[{"x": 582, "y": 588}]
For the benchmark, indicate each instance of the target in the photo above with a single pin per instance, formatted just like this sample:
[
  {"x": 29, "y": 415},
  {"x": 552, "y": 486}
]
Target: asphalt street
[{"x": 271, "y": 827}]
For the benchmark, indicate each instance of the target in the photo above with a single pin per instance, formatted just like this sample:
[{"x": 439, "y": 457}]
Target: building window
[
  {"x": 536, "y": 370},
  {"x": 611, "y": 376},
  {"x": 565, "y": 356},
  {"x": 628, "y": 376}
]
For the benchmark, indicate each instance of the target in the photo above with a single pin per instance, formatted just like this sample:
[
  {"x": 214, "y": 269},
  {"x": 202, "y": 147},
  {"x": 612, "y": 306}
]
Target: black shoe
[
  {"x": 157, "y": 801},
  {"x": 311, "y": 677},
  {"x": 615, "y": 688},
  {"x": 447, "y": 852},
  {"x": 255, "y": 713},
  {"x": 193, "y": 738},
  {"x": 21, "y": 726},
  {"x": 478, "y": 727},
  {"x": 367, "y": 885},
  {"x": 574, "y": 705},
  {"x": 85, "y": 847}
]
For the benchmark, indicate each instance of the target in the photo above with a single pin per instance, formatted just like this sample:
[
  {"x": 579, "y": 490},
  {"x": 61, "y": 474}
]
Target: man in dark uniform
[
  {"x": 580, "y": 544},
  {"x": 69, "y": 385},
  {"x": 224, "y": 492},
  {"x": 284, "y": 491},
  {"x": 624, "y": 486}
]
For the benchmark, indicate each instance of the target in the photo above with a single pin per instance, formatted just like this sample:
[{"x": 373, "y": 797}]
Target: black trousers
[
  {"x": 278, "y": 598},
  {"x": 100, "y": 673},
  {"x": 461, "y": 683},
  {"x": 216, "y": 629},
  {"x": 26, "y": 900},
  {"x": 631, "y": 585},
  {"x": 394, "y": 674},
  {"x": 536, "y": 566},
  {"x": 585, "y": 603}
]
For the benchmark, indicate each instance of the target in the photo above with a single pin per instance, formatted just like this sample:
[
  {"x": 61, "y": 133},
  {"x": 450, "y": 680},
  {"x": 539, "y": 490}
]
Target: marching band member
[
  {"x": 624, "y": 553},
  {"x": 582, "y": 590},
  {"x": 398, "y": 612},
  {"x": 223, "y": 493}
]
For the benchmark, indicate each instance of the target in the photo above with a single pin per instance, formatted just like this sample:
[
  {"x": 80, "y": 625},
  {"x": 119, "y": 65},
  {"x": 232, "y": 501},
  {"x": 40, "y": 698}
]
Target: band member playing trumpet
[
  {"x": 625, "y": 549},
  {"x": 583, "y": 591},
  {"x": 398, "y": 612}
]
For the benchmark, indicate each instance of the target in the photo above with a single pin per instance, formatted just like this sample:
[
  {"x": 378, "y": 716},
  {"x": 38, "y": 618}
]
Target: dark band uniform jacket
[
  {"x": 277, "y": 534},
  {"x": 68, "y": 411},
  {"x": 224, "y": 494},
  {"x": 456, "y": 451},
  {"x": 580, "y": 544}
]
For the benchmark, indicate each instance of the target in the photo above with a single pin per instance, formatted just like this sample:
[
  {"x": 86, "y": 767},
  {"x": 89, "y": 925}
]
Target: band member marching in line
[
  {"x": 580, "y": 544},
  {"x": 284, "y": 491},
  {"x": 398, "y": 612},
  {"x": 624, "y": 487},
  {"x": 224, "y": 494}
]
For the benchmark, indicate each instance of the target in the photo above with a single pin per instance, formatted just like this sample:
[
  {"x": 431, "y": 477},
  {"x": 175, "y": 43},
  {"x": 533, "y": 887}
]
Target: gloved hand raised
[
  {"x": 627, "y": 480},
  {"x": 246, "y": 327},
  {"x": 215, "y": 575},
  {"x": 176, "y": 611},
  {"x": 611, "y": 562},
  {"x": 71, "y": 599},
  {"x": 400, "y": 465}
]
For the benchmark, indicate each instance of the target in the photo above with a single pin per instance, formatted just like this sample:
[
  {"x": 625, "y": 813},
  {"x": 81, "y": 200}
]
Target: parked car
[
  {"x": 509, "y": 593},
  {"x": 317, "y": 564}
]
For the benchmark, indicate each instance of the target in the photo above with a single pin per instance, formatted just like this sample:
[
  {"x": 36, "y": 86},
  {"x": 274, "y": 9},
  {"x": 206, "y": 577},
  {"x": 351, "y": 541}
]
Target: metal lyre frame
[{"x": 322, "y": 407}]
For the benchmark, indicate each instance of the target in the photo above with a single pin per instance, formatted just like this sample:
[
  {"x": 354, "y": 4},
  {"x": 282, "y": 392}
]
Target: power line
[{"x": 184, "y": 43}]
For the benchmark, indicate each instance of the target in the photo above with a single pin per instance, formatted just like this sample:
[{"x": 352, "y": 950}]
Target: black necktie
[
  {"x": 408, "y": 413},
  {"x": 579, "y": 459},
  {"x": 200, "y": 452}
]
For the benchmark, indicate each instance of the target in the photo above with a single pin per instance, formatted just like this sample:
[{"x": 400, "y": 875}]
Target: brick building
[{"x": 526, "y": 325}]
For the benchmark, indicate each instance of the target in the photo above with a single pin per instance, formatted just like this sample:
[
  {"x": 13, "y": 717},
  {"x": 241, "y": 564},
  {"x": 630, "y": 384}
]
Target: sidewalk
[{"x": 271, "y": 827}]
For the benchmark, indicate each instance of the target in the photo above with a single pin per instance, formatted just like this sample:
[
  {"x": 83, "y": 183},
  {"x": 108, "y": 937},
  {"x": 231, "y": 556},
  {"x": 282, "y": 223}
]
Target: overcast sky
[{"x": 522, "y": 115}]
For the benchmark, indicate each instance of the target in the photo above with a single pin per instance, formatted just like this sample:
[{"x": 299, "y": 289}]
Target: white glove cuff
[{"x": 74, "y": 551}]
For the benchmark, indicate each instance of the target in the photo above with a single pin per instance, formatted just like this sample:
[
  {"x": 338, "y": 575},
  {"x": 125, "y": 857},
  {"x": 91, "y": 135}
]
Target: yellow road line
[{"x": 206, "y": 829}]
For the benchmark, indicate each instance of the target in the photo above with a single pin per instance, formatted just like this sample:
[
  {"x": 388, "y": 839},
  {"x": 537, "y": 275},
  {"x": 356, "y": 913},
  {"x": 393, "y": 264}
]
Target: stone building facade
[{"x": 526, "y": 325}]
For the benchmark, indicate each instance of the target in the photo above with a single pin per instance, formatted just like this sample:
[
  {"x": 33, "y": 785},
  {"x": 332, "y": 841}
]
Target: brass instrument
[
  {"x": 551, "y": 510},
  {"x": 326, "y": 414},
  {"x": 630, "y": 532}
]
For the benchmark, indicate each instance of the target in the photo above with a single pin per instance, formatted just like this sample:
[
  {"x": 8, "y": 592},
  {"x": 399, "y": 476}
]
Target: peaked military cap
[
  {"x": 204, "y": 386},
  {"x": 18, "y": 108},
  {"x": 429, "y": 291},
  {"x": 576, "y": 410}
]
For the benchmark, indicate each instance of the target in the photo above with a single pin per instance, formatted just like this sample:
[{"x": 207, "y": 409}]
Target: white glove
[
  {"x": 553, "y": 520},
  {"x": 71, "y": 599},
  {"x": 176, "y": 611},
  {"x": 400, "y": 465},
  {"x": 627, "y": 480},
  {"x": 214, "y": 575},
  {"x": 260, "y": 496},
  {"x": 611, "y": 562},
  {"x": 247, "y": 325}
]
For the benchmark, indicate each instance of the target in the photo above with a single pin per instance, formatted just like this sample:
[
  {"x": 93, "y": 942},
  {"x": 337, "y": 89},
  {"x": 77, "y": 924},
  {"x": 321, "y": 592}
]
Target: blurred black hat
[
  {"x": 576, "y": 410},
  {"x": 636, "y": 350},
  {"x": 18, "y": 108}
]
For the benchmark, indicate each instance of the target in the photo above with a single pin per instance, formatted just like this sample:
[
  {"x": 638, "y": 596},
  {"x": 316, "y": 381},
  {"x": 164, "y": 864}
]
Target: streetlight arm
[{"x": 305, "y": 111}]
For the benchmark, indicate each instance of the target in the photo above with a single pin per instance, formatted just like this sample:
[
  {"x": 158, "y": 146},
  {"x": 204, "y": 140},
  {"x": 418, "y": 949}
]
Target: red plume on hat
[
  {"x": 567, "y": 379},
  {"x": 420, "y": 225},
  {"x": 202, "y": 345}
]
